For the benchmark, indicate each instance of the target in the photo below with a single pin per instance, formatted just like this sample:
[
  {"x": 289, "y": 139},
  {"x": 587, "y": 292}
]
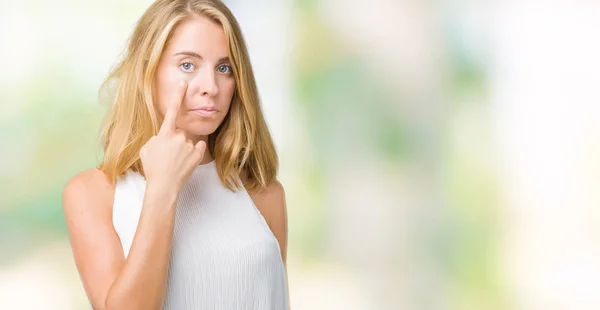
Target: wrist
[{"x": 161, "y": 194}]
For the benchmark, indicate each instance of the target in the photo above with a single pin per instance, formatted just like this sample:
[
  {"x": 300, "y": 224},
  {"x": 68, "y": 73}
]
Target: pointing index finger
[{"x": 172, "y": 112}]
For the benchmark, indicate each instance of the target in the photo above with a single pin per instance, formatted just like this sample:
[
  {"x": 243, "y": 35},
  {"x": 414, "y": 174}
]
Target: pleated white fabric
[{"x": 224, "y": 256}]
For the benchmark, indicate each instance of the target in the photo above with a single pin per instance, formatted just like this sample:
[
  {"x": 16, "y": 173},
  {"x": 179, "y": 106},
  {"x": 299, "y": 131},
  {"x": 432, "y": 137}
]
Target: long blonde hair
[{"x": 242, "y": 143}]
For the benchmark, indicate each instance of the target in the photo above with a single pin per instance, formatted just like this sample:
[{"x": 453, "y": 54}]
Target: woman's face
[{"x": 196, "y": 53}]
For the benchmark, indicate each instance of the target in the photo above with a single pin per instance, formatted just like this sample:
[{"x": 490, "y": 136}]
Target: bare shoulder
[
  {"x": 87, "y": 203},
  {"x": 271, "y": 196},
  {"x": 270, "y": 201},
  {"x": 88, "y": 188}
]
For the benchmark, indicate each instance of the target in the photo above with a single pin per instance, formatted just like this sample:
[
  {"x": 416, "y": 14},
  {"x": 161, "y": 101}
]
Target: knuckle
[{"x": 179, "y": 137}]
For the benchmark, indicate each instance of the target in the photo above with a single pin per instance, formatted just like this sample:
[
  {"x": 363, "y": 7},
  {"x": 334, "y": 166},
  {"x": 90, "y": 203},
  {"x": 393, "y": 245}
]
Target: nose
[{"x": 206, "y": 83}]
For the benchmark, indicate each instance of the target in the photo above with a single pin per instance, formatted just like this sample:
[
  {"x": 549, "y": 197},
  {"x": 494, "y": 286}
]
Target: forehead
[{"x": 199, "y": 34}]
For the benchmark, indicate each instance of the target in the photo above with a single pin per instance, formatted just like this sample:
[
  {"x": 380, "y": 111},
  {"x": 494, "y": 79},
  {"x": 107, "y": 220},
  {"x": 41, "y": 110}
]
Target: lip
[{"x": 204, "y": 111}]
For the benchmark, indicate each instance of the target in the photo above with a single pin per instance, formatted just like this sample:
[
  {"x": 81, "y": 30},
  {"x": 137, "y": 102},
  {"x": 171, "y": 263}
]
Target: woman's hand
[{"x": 169, "y": 157}]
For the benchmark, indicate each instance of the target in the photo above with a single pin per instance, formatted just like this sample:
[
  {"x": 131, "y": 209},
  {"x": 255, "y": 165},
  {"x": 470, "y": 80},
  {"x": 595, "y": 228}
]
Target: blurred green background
[{"x": 435, "y": 154}]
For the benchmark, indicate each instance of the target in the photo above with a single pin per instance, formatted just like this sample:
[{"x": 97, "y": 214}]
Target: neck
[{"x": 207, "y": 158}]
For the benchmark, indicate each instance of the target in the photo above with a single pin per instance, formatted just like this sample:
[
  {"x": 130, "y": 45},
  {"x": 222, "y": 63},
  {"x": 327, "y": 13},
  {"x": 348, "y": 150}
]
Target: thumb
[
  {"x": 201, "y": 145},
  {"x": 200, "y": 150}
]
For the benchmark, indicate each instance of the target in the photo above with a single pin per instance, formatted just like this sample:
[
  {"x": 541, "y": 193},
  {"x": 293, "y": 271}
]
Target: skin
[
  {"x": 139, "y": 282},
  {"x": 206, "y": 69}
]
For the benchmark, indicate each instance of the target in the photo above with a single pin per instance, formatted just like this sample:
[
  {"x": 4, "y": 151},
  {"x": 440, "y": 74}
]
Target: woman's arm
[
  {"x": 110, "y": 280},
  {"x": 138, "y": 282},
  {"x": 271, "y": 203}
]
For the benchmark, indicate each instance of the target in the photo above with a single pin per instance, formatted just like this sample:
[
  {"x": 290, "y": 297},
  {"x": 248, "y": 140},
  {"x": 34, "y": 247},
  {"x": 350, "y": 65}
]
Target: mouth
[{"x": 205, "y": 111}]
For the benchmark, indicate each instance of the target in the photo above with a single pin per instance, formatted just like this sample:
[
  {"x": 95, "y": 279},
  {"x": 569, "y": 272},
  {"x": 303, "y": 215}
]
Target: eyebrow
[{"x": 196, "y": 55}]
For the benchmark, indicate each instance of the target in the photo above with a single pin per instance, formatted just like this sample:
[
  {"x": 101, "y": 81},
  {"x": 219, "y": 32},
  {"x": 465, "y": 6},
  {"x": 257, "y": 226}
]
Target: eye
[
  {"x": 225, "y": 69},
  {"x": 187, "y": 66}
]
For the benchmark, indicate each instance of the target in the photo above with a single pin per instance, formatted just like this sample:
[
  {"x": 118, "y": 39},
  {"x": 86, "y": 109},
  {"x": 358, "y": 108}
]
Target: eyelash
[{"x": 227, "y": 66}]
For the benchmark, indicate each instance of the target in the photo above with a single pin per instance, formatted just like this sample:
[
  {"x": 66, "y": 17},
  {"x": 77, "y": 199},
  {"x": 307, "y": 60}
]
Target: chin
[{"x": 203, "y": 129}]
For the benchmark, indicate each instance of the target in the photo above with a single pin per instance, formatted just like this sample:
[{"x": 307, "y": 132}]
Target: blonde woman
[{"x": 185, "y": 211}]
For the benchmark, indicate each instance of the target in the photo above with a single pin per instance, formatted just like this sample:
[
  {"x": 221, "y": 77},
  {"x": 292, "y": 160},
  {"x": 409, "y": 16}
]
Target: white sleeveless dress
[{"x": 224, "y": 256}]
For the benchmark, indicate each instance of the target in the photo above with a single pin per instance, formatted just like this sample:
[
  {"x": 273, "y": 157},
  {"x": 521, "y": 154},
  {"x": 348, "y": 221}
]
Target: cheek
[{"x": 227, "y": 89}]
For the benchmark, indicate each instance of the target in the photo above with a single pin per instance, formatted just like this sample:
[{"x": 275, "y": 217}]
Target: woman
[{"x": 185, "y": 211}]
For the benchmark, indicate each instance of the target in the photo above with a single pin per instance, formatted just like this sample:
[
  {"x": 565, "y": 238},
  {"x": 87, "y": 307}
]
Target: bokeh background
[{"x": 435, "y": 154}]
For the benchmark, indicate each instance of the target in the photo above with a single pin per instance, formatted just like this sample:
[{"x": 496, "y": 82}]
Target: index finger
[{"x": 173, "y": 109}]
